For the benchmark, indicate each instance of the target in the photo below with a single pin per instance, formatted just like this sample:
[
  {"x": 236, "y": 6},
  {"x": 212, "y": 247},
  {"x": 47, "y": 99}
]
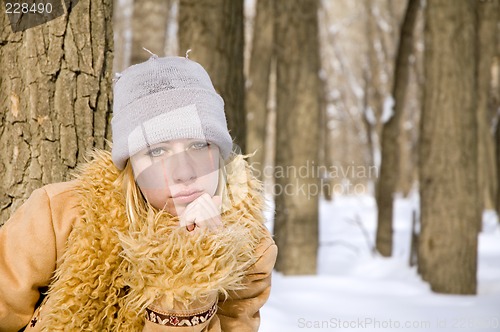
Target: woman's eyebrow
[{"x": 157, "y": 145}]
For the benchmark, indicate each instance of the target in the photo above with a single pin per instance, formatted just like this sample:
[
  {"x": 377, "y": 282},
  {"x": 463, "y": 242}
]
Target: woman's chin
[{"x": 177, "y": 210}]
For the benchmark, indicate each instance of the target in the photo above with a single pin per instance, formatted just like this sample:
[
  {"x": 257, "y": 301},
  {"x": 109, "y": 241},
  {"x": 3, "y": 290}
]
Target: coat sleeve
[
  {"x": 240, "y": 312},
  {"x": 27, "y": 260}
]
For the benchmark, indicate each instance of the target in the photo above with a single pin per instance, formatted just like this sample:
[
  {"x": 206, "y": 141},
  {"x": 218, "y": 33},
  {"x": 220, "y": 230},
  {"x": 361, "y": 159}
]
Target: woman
[{"x": 165, "y": 233}]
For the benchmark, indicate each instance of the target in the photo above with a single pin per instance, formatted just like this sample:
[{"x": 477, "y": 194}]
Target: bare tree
[
  {"x": 488, "y": 18},
  {"x": 56, "y": 92},
  {"x": 495, "y": 107},
  {"x": 213, "y": 30},
  {"x": 122, "y": 10},
  {"x": 149, "y": 28},
  {"x": 297, "y": 142},
  {"x": 325, "y": 157},
  {"x": 450, "y": 207},
  {"x": 376, "y": 86},
  {"x": 257, "y": 96},
  {"x": 389, "y": 165}
]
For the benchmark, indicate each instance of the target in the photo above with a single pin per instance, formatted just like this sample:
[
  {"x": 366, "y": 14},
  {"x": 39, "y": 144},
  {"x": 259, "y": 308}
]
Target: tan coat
[{"x": 36, "y": 251}]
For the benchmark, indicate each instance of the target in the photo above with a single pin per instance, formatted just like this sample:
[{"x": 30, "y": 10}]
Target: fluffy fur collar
[{"x": 110, "y": 270}]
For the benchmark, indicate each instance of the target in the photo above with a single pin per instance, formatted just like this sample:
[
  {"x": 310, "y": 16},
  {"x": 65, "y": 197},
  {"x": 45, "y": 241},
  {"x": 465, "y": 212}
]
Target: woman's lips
[{"x": 186, "y": 197}]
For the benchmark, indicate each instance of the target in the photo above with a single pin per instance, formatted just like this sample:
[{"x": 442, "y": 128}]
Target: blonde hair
[{"x": 136, "y": 206}]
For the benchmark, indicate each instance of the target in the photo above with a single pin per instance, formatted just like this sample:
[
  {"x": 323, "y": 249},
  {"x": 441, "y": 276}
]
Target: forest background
[{"x": 385, "y": 98}]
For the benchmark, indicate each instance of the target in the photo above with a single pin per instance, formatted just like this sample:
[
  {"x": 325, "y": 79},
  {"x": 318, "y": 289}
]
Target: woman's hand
[{"x": 203, "y": 212}]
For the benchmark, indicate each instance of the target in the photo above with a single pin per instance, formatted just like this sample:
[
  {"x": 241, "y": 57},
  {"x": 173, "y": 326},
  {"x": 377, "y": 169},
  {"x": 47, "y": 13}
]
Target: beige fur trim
[{"x": 109, "y": 272}]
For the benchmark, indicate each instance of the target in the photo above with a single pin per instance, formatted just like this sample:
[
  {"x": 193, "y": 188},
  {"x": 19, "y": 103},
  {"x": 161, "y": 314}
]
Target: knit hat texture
[{"x": 164, "y": 99}]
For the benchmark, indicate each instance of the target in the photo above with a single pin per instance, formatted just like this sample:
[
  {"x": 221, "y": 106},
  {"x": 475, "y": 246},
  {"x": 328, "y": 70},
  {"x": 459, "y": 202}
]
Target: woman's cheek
[
  {"x": 155, "y": 197},
  {"x": 210, "y": 181}
]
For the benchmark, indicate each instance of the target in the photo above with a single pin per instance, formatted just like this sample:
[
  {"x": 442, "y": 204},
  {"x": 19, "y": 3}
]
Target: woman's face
[{"x": 173, "y": 174}]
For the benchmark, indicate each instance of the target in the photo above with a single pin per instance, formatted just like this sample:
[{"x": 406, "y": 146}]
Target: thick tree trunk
[
  {"x": 487, "y": 17},
  {"x": 389, "y": 165},
  {"x": 297, "y": 143},
  {"x": 450, "y": 208},
  {"x": 258, "y": 82},
  {"x": 55, "y": 95},
  {"x": 149, "y": 28},
  {"x": 213, "y": 30}
]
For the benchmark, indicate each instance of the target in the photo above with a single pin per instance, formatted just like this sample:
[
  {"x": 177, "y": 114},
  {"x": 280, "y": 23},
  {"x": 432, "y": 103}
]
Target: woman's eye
[
  {"x": 199, "y": 145},
  {"x": 156, "y": 152}
]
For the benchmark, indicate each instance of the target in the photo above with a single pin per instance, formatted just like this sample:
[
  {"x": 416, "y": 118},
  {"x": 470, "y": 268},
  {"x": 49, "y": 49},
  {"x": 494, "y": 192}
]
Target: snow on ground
[{"x": 357, "y": 291}]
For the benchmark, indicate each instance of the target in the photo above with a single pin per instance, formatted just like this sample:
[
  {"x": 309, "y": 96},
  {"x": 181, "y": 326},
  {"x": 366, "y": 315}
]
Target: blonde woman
[{"x": 164, "y": 234}]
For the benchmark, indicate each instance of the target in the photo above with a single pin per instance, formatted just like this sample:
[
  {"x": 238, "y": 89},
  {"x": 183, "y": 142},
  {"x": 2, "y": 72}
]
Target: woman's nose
[{"x": 182, "y": 168}]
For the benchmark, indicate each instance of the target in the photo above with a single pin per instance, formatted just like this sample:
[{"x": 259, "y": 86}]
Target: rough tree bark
[
  {"x": 257, "y": 93},
  {"x": 389, "y": 164},
  {"x": 450, "y": 209},
  {"x": 149, "y": 28},
  {"x": 297, "y": 142},
  {"x": 213, "y": 30},
  {"x": 55, "y": 97}
]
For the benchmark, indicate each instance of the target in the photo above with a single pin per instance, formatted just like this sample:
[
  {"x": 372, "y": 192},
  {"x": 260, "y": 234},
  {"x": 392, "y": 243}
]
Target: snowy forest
[{"x": 373, "y": 125}]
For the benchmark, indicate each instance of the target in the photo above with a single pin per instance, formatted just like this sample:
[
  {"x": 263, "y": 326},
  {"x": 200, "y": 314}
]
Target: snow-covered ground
[{"x": 357, "y": 291}]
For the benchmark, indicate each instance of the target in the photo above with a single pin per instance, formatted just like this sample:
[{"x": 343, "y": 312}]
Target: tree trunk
[
  {"x": 171, "y": 42},
  {"x": 408, "y": 167},
  {"x": 375, "y": 86},
  {"x": 487, "y": 20},
  {"x": 149, "y": 28},
  {"x": 55, "y": 95},
  {"x": 258, "y": 83},
  {"x": 495, "y": 106},
  {"x": 368, "y": 126},
  {"x": 297, "y": 143},
  {"x": 450, "y": 208},
  {"x": 325, "y": 156},
  {"x": 389, "y": 165},
  {"x": 213, "y": 30},
  {"x": 121, "y": 27}
]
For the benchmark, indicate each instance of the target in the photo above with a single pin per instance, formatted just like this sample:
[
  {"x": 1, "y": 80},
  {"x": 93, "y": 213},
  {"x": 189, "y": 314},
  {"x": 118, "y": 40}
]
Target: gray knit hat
[{"x": 164, "y": 99}]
